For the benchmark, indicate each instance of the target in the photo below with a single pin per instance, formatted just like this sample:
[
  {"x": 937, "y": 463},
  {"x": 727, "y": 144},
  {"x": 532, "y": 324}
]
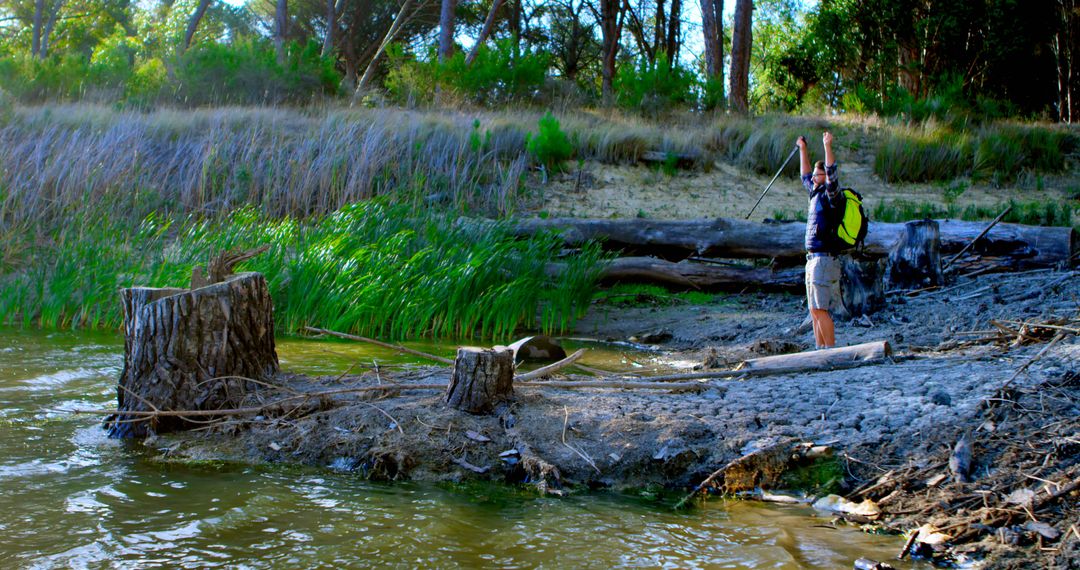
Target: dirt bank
[{"x": 900, "y": 417}]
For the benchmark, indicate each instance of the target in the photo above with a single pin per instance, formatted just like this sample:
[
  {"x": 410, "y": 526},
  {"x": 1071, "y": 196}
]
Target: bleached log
[
  {"x": 840, "y": 357},
  {"x": 1026, "y": 246}
]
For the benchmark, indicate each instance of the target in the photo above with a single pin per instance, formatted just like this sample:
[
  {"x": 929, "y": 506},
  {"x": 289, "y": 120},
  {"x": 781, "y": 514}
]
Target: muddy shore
[{"x": 892, "y": 424}]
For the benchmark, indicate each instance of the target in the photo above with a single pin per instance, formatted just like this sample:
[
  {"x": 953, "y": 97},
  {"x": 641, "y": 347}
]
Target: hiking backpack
[{"x": 853, "y": 223}]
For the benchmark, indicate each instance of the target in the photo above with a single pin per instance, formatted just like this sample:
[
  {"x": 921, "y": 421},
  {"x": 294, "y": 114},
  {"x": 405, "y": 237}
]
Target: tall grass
[
  {"x": 1031, "y": 212},
  {"x": 371, "y": 268},
  {"x": 999, "y": 152}
]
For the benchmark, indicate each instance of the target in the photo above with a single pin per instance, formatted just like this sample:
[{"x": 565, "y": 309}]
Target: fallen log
[
  {"x": 1025, "y": 246},
  {"x": 820, "y": 359},
  {"x": 692, "y": 275}
]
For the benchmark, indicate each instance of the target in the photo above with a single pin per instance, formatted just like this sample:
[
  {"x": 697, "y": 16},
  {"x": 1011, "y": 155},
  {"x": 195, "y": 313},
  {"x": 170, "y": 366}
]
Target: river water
[{"x": 70, "y": 497}]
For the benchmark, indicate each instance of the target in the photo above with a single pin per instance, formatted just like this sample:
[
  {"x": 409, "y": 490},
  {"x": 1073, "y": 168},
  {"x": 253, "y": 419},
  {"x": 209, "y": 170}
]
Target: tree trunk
[
  {"x": 712, "y": 22},
  {"x": 741, "y": 39},
  {"x": 824, "y": 359},
  {"x": 515, "y": 26},
  {"x": 1027, "y": 246},
  {"x": 403, "y": 15},
  {"x": 482, "y": 377},
  {"x": 193, "y": 24},
  {"x": 862, "y": 286},
  {"x": 39, "y": 17},
  {"x": 489, "y": 23},
  {"x": 611, "y": 29},
  {"x": 674, "y": 31},
  {"x": 691, "y": 275},
  {"x": 281, "y": 24},
  {"x": 446, "y": 30},
  {"x": 46, "y": 34},
  {"x": 192, "y": 350},
  {"x": 915, "y": 260},
  {"x": 660, "y": 30},
  {"x": 331, "y": 26}
]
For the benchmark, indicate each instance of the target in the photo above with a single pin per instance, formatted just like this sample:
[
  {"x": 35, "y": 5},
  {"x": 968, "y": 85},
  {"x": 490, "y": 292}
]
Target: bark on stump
[
  {"x": 192, "y": 350},
  {"x": 862, "y": 286},
  {"x": 915, "y": 259},
  {"x": 482, "y": 377}
]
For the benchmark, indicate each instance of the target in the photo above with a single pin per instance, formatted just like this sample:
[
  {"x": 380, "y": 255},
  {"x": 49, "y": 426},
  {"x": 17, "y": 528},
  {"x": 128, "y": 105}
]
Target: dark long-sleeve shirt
[{"x": 822, "y": 215}]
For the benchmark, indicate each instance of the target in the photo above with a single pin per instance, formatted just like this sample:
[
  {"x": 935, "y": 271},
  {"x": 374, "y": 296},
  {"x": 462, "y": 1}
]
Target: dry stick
[
  {"x": 705, "y": 483},
  {"x": 397, "y": 424},
  {"x": 672, "y": 386},
  {"x": 550, "y": 368},
  {"x": 397, "y": 347},
  {"x": 255, "y": 410},
  {"x": 977, "y": 238},
  {"x": 1030, "y": 361},
  {"x": 1043, "y": 326},
  {"x": 566, "y": 420}
]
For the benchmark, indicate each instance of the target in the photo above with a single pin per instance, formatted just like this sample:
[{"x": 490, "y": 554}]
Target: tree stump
[
  {"x": 482, "y": 377},
  {"x": 915, "y": 259},
  {"x": 862, "y": 286},
  {"x": 192, "y": 350}
]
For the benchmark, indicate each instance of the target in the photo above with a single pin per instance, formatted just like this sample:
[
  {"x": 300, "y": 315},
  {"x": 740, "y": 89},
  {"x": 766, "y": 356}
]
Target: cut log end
[
  {"x": 192, "y": 350},
  {"x": 482, "y": 377}
]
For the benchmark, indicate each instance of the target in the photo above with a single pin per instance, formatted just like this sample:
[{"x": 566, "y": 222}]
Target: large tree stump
[
  {"x": 915, "y": 259},
  {"x": 862, "y": 286},
  {"x": 192, "y": 350},
  {"x": 482, "y": 377}
]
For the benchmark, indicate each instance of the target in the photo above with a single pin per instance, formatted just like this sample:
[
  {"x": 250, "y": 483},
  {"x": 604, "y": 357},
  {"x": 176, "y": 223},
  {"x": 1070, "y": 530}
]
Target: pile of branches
[
  {"x": 1010, "y": 333},
  {"x": 1021, "y": 490}
]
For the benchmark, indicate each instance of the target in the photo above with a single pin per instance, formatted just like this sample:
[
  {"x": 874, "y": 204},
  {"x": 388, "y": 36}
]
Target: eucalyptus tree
[
  {"x": 741, "y": 41},
  {"x": 712, "y": 29}
]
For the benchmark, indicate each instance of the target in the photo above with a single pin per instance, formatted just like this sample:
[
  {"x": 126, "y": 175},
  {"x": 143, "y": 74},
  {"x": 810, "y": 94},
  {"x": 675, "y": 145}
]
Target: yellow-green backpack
[{"x": 854, "y": 223}]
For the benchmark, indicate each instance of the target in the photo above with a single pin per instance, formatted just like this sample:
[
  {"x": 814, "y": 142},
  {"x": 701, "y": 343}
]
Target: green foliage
[
  {"x": 550, "y": 145},
  {"x": 247, "y": 72},
  {"x": 498, "y": 75},
  {"x": 7, "y": 106},
  {"x": 370, "y": 268},
  {"x": 821, "y": 477},
  {"x": 626, "y": 295},
  {"x": 655, "y": 87}
]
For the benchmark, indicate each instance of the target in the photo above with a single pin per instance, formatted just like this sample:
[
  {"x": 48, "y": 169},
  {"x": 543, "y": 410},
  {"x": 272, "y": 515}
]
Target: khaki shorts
[{"x": 823, "y": 282}]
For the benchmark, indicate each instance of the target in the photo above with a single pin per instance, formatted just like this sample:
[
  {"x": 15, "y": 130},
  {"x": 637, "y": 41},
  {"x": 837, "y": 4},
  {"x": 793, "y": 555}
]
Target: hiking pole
[{"x": 760, "y": 198}]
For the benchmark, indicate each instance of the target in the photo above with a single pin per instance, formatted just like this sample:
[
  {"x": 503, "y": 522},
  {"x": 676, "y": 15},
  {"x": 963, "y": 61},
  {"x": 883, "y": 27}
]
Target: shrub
[
  {"x": 147, "y": 83},
  {"x": 550, "y": 146},
  {"x": 7, "y": 106},
  {"x": 655, "y": 87},
  {"x": 247, "y": 71}
]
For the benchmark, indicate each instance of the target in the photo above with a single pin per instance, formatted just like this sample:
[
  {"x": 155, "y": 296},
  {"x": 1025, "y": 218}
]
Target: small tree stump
[
  {"x": 915, "y": 259},
  {"x": 482, "y": 377},
  {"x": 192, "y": 350}
]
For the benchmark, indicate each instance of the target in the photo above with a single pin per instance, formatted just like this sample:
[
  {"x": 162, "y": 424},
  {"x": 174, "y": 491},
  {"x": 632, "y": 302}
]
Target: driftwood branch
[
  {"x": 977, "y": 238},
  {"x": 550, "y": 369},
  {"x": 396, "y": 347}
]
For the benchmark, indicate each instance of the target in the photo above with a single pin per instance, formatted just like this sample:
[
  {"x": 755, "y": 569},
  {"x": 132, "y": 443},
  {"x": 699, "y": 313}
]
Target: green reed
[{"x": 371, "y": 268}]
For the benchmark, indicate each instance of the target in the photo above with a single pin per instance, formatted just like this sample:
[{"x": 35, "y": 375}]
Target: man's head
[{"x": 819, "y": 173}]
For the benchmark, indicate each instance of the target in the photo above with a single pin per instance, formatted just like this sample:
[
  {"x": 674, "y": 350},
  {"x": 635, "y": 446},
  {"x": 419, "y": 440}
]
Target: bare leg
[{"x": 824, "y": 330}]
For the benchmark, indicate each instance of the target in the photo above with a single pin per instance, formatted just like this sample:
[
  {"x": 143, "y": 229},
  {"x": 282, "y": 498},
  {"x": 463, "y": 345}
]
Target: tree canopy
[{"x": 915, "y": 58}]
